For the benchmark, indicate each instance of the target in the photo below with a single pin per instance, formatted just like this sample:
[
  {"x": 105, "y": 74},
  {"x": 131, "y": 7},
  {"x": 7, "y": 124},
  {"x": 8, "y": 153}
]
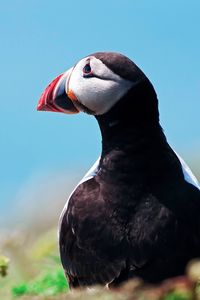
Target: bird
[{"x": 136, "y": 212}]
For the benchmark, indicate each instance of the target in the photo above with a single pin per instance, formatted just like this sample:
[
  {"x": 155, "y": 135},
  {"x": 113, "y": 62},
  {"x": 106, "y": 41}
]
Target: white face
[{"x": 96, "y": 86}]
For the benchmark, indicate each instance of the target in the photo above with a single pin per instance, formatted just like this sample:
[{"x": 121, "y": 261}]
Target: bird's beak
[{"x": 56, "y": 97}]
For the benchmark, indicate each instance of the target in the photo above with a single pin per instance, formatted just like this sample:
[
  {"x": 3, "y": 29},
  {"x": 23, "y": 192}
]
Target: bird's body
[{"x": 137, "y": 212}]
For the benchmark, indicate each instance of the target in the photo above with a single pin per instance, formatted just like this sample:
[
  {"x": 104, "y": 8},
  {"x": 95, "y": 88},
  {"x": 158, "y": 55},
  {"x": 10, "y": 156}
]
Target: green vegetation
[
  {"x": 47, "y": 284},
  {"x": 35, "y": 273},
  {"x": 34, "y": 269}
]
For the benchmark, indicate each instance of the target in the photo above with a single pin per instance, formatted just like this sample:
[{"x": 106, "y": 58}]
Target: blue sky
[{"x": 41, "y": 39}]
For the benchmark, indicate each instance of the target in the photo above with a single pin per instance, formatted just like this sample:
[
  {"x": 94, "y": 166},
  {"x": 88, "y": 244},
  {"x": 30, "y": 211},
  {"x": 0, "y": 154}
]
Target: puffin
[{"x": 136, "y": 213}]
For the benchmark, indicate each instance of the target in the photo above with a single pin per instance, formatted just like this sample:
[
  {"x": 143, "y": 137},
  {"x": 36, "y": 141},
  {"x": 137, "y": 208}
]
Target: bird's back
[{"x": 137, "y": 216}]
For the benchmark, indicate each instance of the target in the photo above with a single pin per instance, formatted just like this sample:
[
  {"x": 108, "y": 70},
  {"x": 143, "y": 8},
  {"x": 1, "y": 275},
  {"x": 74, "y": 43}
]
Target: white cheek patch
[{"x": 101, "y": 91}]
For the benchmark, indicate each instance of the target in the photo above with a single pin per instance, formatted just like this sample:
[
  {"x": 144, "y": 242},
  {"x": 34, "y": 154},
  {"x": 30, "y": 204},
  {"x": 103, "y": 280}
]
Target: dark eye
[{"x": 87, "y": 70}]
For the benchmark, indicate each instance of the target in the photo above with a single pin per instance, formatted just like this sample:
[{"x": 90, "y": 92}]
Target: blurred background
[{"x": 44, "y": 155}]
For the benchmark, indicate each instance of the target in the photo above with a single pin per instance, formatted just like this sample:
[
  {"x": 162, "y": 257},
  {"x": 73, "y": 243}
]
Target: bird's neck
[
  {"x": 133, "y": 141},
  {"x": 137, "y": 157},
  {"x": 133, "y": 121}
]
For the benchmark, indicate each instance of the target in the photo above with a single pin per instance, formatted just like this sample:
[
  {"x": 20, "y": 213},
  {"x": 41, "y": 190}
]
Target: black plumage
[{"x": 137, "y": 216}]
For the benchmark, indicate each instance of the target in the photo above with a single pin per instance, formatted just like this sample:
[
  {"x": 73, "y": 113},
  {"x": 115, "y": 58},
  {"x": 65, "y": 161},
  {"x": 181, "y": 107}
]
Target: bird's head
[{"x": 94, "y": 85}]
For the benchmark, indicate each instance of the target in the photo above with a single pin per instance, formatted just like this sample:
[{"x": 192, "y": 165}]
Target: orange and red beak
[{"x": 55, "y": 98}]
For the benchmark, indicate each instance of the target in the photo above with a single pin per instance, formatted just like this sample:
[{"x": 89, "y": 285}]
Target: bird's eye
[{"x": 87, "y": 71}]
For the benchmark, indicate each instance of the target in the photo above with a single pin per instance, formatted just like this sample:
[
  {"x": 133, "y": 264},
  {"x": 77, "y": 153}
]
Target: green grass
[
  {"x": 31, "y": 266},
  {"x": 47, "y": 284},
  {"x": 34, "y": 272},
  {"x": 178, "y": 296}
]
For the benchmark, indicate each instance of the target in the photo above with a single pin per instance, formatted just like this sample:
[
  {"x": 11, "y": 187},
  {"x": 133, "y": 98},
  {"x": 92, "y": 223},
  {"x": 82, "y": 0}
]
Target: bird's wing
[
  {"x": 151, "y": 230},
  {"x": 90, "y": 249},
  {"x": 84, "y": 267}
]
